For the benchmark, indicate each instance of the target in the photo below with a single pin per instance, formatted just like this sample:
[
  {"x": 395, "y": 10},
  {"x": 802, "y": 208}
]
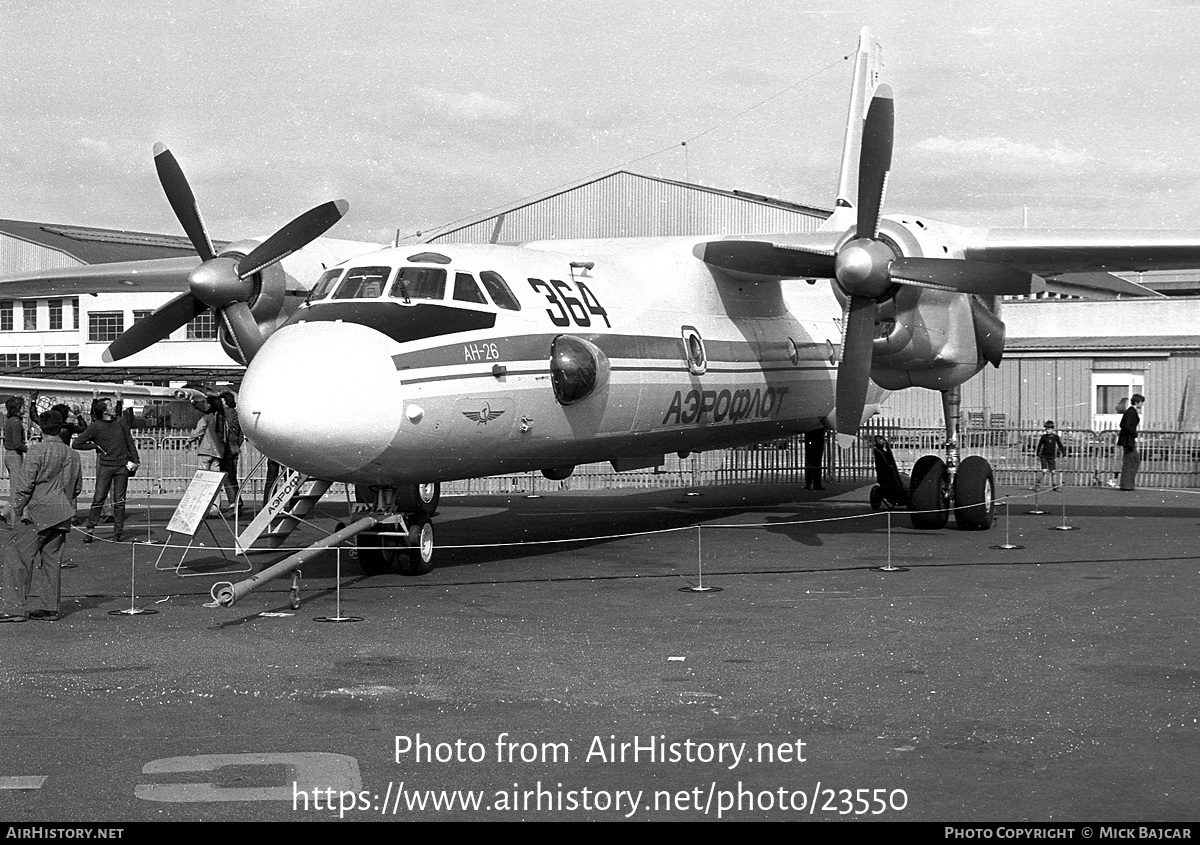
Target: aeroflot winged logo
[{"x": 484, "y": 415}]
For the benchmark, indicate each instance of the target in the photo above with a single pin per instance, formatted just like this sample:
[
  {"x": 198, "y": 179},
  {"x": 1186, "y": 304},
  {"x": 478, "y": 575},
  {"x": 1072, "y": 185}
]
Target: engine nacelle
[
  {"x": 934, "y": 339},
  {"x": 266, "y": 294}
]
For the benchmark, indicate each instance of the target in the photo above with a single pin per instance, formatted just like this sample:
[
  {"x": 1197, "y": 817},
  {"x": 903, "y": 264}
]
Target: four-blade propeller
[
  {"x": 866, "y": 268},
  {"x": 223, "y": 283}
]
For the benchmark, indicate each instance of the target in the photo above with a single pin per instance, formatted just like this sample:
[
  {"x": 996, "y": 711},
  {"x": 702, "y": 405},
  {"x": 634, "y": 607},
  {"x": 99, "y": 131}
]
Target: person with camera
[{"x": 117, "y": 459}]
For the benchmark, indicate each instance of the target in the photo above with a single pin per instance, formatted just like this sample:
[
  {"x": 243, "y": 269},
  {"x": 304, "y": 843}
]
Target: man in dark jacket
[
  {"x": 1131, "y": 458},
  {"x": 43, "y": 499},
  {"x": 117, "y": 457}
]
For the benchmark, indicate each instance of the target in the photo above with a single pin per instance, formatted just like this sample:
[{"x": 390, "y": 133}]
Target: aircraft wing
[
  {"x": 1051, "y": 252},
  {"x": 160, "y": 274},
  {"x": 64, "y": 388},
  {"x": 1097, "y": 286},
  {"x": 1074, "y": 261}
]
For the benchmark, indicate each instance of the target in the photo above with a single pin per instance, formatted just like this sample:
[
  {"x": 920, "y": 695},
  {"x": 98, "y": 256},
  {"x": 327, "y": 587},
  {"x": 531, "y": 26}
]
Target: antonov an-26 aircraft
[{"x": 441, "y": 362}]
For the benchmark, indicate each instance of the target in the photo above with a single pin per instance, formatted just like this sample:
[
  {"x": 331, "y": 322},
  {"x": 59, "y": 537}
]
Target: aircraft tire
[
  {"x": 429, "y": 495},
  {"x": 876, "y": 498},
  {"x": 929, "y": 496},
  {"x": 974, "y": 495},
  {"x": 418, "y": 560},
  {"x": 419, "y": 498},
  {"x": 375, "y": 553}
]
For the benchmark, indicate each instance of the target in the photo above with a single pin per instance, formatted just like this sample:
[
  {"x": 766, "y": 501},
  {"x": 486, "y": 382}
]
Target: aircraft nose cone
[{"x": 323, "y": 398}]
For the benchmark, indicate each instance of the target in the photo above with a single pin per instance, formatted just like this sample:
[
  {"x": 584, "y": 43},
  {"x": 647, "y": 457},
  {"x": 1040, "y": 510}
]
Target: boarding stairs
[{"x": 292, "y": 498}]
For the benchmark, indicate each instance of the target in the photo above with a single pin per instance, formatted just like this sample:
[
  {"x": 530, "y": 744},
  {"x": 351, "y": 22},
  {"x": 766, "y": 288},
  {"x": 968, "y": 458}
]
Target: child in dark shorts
[{"x": 1049, "y": 447}]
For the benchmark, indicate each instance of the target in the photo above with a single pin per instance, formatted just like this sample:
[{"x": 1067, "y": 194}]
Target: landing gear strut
[
  {"x": 405, "y": 533},
  {"x": 939, "y": 485}
]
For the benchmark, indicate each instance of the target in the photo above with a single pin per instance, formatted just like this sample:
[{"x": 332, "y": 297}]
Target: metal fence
[{"x": 1169, "y": 459}]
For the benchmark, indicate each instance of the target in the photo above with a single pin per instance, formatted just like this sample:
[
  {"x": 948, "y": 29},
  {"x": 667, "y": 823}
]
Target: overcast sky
[{"x": 422, "y": 113}]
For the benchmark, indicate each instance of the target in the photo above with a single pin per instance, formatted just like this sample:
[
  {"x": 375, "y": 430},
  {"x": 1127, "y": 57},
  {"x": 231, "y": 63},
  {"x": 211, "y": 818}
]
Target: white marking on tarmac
[{"x": 23, "y": 782}]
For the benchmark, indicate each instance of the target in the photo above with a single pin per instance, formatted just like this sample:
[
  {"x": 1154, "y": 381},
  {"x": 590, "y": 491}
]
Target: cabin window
[
  {"x": 325, "y": 284},
  {"x": 363, "y": 283},
  {"x": 697, "y": 360},
  {"x": 499, "y": 290},
  {"x": 419, "y": 283},
  {"x": 466, "y": 289}
]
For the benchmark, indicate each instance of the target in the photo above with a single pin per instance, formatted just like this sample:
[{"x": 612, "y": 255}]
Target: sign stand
[{"x": 190, "y": 514}]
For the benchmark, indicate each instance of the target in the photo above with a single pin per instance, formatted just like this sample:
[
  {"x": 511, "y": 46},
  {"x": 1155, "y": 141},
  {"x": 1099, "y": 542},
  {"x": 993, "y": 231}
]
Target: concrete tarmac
[{"x": 534, "y": 675}]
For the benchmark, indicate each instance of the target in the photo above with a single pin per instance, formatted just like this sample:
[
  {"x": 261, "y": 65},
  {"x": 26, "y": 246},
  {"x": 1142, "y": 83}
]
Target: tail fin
[{"x": 868, "y": 75}]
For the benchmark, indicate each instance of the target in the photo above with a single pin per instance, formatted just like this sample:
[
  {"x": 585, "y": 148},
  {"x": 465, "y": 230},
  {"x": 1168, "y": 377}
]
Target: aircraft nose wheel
[
  {"x": 419, "y": 559},
  {"x": 377, "y": 552}
]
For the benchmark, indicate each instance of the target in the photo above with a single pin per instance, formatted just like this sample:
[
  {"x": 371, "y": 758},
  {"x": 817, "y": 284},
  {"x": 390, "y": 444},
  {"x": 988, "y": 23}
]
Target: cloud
[
  {"x": 471, "y": 106},
  {"x": 1005, "y": 154}
]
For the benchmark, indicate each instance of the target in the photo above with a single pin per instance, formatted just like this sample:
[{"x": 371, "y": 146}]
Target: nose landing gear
[{"x": 404, "y": 538}]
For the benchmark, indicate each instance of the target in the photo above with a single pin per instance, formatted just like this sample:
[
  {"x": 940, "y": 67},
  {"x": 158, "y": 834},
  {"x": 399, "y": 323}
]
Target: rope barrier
[{"x": 592, "y": 538}]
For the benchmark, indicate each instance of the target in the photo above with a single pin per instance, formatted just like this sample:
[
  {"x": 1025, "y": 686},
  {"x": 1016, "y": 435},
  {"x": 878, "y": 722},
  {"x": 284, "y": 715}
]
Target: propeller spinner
[{"x": 221, "y": 282}]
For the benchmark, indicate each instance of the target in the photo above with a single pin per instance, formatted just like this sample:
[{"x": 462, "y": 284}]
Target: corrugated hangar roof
[
  {"x": 602, "y": 204},
  {"x": 1100, "y": 344},
  {"x": 98, "y": 246}
]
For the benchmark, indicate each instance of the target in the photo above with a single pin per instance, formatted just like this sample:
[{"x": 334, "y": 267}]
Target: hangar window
[
  {"x": 500, "y": 292},
  {"x": 1111, "y": 392},
  {"x": 105, "y": 326},
  {"x": 419, "y": 283},
  {"x": 466, "y": 289},
  {"x": 55, "y": 310},
  {"x": 203, "y": 327},
  {"x": 29, "y": 315},
  {"x": 363, "y": 283},
  {"x": 325, "y": 284},
  {"x": 6, "y": 316}
]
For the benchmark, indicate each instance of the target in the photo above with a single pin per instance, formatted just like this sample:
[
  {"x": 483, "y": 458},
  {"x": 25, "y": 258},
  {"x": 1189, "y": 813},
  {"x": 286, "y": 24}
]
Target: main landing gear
[
  {"x": 938, "y": 486},
  {"x": 404, "y": 537}
]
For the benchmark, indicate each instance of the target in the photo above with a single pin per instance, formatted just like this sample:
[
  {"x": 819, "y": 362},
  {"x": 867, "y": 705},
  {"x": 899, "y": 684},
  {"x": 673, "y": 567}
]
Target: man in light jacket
[{"x": 43, "y": 497}]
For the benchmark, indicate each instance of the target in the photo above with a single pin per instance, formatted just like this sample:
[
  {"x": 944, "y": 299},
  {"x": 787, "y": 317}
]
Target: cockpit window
[
  {"x": 466, "y": 289},
  {"x": 419, "y": 283},
  {"x": 363, "y": 283},
  {"x": 325, "y": 284},
  {"x": 499, "y": 290}
]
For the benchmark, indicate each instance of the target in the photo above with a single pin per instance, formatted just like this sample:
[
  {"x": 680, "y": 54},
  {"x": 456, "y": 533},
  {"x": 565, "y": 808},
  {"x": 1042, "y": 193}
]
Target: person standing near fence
[
  {"x": 1049, "y": 447},
  {"x": 117, "y": 459},
  {"x": 14, "y": 441},
  {"x": 42, "y": 508},
  {"x": 814, "y": 451},
  {"x": 234, "y": 439},
  {"x": 209, "y": 438},
  {"x": 14, "y": 437},
  {"x": 1131, "y": 458}
]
